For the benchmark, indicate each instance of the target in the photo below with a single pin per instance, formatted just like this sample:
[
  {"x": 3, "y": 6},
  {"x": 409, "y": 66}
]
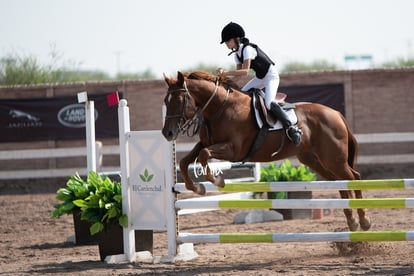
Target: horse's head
[{"x": 180, "y": 107}]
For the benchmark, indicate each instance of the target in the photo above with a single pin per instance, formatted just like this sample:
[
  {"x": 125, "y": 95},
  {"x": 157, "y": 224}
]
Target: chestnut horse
[{"x": 228, "y": 131}]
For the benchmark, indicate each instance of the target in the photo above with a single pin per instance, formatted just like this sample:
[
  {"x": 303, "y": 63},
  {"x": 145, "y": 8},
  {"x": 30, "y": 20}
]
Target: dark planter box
[
  {"x": 82, "y": 233},
  {"x": 111, "y": 242}
]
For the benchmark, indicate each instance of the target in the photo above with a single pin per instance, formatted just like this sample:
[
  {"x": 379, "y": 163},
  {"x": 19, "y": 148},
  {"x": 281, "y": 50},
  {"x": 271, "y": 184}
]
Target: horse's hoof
[
  {"x": 219, "y": 181},
  {"x": 365, "y": 224},
  {"x": 353, "y": 225},
  {"x": 200, "y": 189}
]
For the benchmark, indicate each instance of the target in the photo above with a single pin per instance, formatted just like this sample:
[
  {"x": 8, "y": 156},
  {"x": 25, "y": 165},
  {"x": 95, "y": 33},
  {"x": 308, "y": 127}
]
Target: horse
[{"x": 228, "y": 129}]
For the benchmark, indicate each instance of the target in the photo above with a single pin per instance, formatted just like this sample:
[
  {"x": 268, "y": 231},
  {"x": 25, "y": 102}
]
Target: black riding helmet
[{"x": 230, "y": 31}]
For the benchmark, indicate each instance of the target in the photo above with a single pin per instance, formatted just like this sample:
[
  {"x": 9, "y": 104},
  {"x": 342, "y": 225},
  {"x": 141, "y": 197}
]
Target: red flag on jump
[{"x": 113, "y": 98}]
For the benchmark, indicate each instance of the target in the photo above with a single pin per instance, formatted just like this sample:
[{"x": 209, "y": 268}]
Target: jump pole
[
  {"x": 293, "y": 186},
  {"x": 296, "y": 203},
  {"x": 378, "y": 236}
]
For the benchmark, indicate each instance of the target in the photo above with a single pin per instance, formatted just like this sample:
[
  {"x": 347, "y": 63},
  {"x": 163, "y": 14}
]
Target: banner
[
  {"x": 331, "y": 95},
  {"x": 60, "y": 118}
]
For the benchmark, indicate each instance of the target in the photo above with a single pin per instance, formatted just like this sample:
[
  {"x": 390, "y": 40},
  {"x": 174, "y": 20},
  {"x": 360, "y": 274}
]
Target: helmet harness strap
[{"x": 234, "y": 50}]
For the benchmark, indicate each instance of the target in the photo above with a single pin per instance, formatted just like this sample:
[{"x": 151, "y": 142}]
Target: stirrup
[{"x": 294, "y": 134}]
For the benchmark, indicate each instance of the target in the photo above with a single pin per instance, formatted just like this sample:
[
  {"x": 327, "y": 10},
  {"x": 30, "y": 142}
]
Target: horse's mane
[{"x": 201, "y": 75}]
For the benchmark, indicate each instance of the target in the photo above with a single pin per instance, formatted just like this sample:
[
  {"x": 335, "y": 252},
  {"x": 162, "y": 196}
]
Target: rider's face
[{"x": 231, "y": 44}]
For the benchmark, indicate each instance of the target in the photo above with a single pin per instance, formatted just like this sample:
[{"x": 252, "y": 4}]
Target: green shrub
[
  {"x": 285, "y": 172},
  {"x": 76, "y": 188},
  {"x": 98, "y": 198},
  {"x": 102, "y": 208}
]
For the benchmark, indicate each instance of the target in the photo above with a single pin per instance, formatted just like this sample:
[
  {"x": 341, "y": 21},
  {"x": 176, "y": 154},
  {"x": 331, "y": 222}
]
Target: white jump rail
[
  {"x": 296, "y": 237},
  {"x": 292, "y": 186}
]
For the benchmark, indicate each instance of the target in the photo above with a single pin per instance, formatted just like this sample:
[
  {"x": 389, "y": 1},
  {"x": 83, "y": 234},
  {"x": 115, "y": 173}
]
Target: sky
[{"x": 167, "y": 36}]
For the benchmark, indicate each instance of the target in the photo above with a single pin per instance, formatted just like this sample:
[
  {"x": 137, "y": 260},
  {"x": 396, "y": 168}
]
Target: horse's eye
[{"x": 179, "y": 100}]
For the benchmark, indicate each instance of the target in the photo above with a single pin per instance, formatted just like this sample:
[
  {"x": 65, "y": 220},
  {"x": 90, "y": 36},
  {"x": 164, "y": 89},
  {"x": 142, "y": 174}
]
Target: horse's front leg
[
  {"x": 187, "y": 160},
  {"x": 223, "y": 151}
]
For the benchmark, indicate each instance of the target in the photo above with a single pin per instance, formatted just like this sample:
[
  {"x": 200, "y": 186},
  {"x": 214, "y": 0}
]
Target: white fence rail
[
  {"x": 183, "y": 147},
  {"x": 11, "y": 155}
]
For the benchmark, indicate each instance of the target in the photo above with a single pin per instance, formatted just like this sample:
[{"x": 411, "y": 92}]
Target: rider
[{"x": 249, "y": 55}]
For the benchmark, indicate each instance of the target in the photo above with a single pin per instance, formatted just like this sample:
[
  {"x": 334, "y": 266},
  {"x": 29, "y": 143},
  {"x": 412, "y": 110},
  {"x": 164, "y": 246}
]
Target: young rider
[{"x": 250, "y": 56}]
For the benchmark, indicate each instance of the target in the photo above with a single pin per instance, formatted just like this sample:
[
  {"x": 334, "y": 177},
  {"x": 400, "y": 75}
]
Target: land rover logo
[{"x": 73, "y": 115}]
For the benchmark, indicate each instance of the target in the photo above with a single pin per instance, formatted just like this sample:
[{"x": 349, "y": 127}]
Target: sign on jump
[{"x": 147, "y": 152}]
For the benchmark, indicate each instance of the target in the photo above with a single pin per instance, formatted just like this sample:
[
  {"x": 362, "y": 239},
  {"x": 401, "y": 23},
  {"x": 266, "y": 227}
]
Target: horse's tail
[
  {"x": 352, "y": 150},
  {"x": 352, "y": 146}
]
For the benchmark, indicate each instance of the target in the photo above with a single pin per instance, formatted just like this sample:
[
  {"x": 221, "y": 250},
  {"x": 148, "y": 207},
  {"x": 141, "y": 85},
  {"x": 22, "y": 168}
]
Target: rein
[{"x": 211, "y": 97}]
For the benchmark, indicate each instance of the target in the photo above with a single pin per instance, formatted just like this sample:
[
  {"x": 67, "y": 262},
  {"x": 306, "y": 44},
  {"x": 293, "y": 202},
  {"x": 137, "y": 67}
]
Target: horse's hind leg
[
  {"x": 364, "y": 220},
  {"x": 347, "y": 173},
  {"x": 313, "y": 162},
  {"x": 351, "y": 221}
]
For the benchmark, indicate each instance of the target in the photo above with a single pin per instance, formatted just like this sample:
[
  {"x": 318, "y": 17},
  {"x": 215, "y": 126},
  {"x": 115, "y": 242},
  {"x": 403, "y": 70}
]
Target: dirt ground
[{"x": 31, "y": 243}]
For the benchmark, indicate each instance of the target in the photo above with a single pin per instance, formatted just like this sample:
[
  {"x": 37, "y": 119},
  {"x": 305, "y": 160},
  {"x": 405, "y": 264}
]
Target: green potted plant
[
  {"x": 76, "y": 188},
  {"x": 286, "y": 172},
  {"x": 103, "y": 207},
  {"x": 103, "y": 210}
]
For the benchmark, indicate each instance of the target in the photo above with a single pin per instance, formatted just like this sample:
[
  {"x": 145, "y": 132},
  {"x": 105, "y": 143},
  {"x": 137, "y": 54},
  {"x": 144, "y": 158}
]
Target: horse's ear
[
  {"x": 168, "y": 80},
  {"x": 180, "y": 79}
]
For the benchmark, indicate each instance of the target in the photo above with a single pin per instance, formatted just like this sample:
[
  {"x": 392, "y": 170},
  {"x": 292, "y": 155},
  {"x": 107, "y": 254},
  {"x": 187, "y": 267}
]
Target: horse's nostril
[{"x": 168, "y": 134}]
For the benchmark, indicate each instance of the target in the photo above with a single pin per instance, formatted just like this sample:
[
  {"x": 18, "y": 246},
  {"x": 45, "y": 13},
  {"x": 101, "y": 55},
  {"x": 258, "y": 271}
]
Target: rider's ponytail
[{"x": 244, "y": 40}]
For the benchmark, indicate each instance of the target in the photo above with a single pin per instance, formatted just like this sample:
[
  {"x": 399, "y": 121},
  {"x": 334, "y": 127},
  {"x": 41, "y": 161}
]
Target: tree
[
  {"x": 145, "y": 75},
  {"x": 399, "y": 62},
  {"x": 21, "y": 70},
  {"x": 317, "y": 65},
  {"x": 25, "y": 69}
]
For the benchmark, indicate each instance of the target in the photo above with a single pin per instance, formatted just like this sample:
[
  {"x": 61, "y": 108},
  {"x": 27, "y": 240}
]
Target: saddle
[
  {"x": 265, "y": 120},
  {"x": 259, "y": 105}
]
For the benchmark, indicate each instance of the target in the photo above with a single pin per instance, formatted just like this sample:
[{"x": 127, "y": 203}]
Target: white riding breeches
[{"x": 270, "y": 83}]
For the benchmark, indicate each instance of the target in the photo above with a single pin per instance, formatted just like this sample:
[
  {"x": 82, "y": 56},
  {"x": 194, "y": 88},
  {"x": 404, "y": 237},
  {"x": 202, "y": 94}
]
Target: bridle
[
  {"x": 184, "y": 123},
  {"x": 183, "y": 120}
]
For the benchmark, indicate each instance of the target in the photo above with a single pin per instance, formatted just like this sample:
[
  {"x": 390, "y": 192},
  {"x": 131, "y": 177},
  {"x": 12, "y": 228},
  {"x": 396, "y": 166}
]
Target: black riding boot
[{"x": 293, "y": 132}]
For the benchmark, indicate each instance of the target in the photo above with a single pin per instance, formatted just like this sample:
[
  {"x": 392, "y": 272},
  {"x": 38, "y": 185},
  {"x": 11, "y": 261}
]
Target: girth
[{"x": 268, "y": 121}]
